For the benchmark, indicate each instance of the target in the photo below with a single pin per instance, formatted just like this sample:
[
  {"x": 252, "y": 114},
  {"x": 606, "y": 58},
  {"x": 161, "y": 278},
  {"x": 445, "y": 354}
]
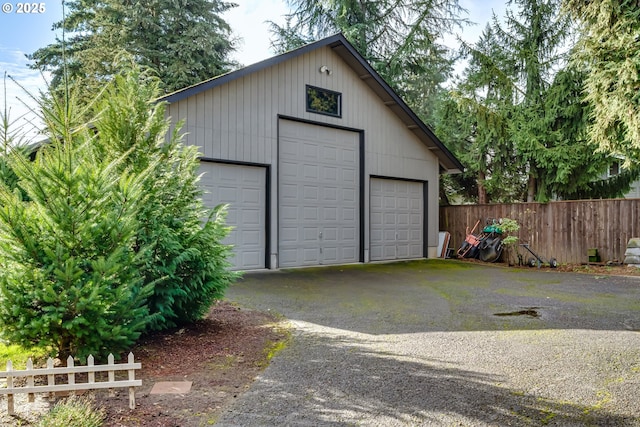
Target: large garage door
[
  {"x": 244, "y": 189},
  {"x": 319, "y": 195},
  {"x": 397, "y": 219}
]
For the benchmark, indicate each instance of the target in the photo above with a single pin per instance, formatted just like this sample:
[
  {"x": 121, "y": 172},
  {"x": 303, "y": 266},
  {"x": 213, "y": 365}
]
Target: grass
[
  {"x": 73, "y": 412},
  {"x": 274, "y": 347},
  {"x": 19, "y": 355}
]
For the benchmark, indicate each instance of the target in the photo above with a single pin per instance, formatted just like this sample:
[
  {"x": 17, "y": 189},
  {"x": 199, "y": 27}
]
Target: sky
[{"x": 23, "y": 33}]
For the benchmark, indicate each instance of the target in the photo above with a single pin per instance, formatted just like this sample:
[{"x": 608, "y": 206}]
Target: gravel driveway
[{"x": 445, "y": 343}]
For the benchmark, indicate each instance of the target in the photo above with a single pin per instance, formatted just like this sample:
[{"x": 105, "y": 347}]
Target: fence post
[
  {"x": 132, "y": 377},
  {"x": 10, "y": 408},
  {"x": 71, "y": 376},
  {"x": 91, "y": 377},
  {"x": 112, "y": 375},
  {"x": 51, "y": 379},
  {"x": 30, "y": 396}
]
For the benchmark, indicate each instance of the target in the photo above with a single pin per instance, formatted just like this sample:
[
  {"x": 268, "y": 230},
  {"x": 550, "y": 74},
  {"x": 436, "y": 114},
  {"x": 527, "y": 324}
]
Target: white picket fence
[{"x": 70, "y": 371}]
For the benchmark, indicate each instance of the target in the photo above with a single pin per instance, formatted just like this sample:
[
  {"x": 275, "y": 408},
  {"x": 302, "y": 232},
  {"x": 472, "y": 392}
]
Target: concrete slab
[{"x": 171, "y": 387}]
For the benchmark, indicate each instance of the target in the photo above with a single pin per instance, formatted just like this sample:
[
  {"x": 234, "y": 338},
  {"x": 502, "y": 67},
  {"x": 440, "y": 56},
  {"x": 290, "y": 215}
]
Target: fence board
[
  {"x": 70, "y": 370},
  {"x": 564, "y": 230}
]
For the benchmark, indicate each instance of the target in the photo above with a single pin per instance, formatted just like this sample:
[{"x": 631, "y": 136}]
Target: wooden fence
[
  {"x": 31, "y": 386},
  {"x": 565, "y": 230}
]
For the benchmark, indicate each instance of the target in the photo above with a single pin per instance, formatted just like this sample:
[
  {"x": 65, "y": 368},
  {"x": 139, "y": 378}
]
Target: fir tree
[
  {"x": 482, "y": 105},
  {"x": 183, "y": 257},
  {"x": 184, "y": 42},
  {"x": 112, "y": 239},
  {"x": 400, "y": 39},
  {"x": 608, "y": 49},
  {"x": 71, "y": 282},
  {"x": 535, "y": 39}
]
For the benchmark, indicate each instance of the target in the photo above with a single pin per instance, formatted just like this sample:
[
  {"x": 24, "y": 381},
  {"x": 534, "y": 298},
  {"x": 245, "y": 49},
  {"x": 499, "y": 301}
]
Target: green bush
[
  {"x": 184, "y": 260},
  {"x": 509, "y": 227},
  {"x": 104, "y": 235},
  {"x": 73, "y": 412},
  {"x": 69, "y": 278}
]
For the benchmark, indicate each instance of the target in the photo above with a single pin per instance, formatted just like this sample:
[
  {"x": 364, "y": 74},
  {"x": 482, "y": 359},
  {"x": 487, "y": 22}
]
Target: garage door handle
[{"x": 320, "y": 235}]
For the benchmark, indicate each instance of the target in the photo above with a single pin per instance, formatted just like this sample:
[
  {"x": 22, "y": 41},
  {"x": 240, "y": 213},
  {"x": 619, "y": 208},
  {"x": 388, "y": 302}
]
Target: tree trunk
[
  {"x": 482, "y": 190},
  {"x": 531, "y": 189}
]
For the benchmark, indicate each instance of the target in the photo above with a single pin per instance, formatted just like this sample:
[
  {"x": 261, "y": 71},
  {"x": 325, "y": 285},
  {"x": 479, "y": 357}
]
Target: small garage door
[
  {"x": 318, "y": 195},
  {"x": 244, "y": 189},
  {"x": 397, "y": 219}
]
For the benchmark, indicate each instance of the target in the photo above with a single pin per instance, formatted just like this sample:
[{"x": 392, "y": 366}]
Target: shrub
[
  {"x": 69, "y": 277},
  {"x": 19, "y": 355},
  {"x": 104, "y": 235},
  {"x": 184, "y": 258},
  {"x": 509, "y": 227},
  {"x": 73, "y": 412}
]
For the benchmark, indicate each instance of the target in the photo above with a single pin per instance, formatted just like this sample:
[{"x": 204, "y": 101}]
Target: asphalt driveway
[{"x": 441, "y": 342}]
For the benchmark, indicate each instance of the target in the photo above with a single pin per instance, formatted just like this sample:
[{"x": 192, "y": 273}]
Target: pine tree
[
  {"x": 482, "y": 105},
  {"x": 535, "y": 39},
  {"x": 70, "y": 279},
  {"x": 104, "y": 235},
  {"x": 519, "y": 118},
  {"x": 400, "y": 39},
  {"x": 183, "y": 256},
  {"x": 184, "y": 42},
  {"x": 608, "y": 49}
]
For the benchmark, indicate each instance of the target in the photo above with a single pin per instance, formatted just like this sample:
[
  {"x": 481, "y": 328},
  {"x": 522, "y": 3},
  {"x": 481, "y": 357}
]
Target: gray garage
[{"x": 318, "y": 158}]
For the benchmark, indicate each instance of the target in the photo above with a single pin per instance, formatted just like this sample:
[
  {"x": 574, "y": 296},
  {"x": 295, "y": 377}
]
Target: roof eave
[{"x": 339, "y": 44}]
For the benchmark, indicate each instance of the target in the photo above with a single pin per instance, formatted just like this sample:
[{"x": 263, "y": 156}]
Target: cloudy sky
[{"x": 23, "y": 33}]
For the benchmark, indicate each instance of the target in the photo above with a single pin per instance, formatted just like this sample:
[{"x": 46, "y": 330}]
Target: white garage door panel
[
  {"x": 319, "y": 187},
  {"x": 397, "y": 219},
  {"x": 244, "y": 189}
]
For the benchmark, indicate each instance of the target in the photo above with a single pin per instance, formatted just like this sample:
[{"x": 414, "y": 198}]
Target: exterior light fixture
[{"x": 325, "y": 69}]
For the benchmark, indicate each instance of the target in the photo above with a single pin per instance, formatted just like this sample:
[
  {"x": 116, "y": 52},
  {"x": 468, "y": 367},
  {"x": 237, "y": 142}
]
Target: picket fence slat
[
  {"x": 70, "y": 371},
  {"x": 71, "y": 387},
  {"x": 75, "y": 370}
]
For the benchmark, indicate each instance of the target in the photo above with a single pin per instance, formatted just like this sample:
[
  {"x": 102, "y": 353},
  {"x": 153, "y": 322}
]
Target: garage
[
  {"x": 244, "y": 188},
  {"x": 321, "y": 160},
  {"x": 397, "y": 219},
  {"x": 319, "y": 195}
]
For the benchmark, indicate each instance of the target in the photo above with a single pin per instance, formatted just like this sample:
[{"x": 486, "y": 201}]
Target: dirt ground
[
  {"x": 600, "y": 269},
  {"x": 221, "y": 355}
]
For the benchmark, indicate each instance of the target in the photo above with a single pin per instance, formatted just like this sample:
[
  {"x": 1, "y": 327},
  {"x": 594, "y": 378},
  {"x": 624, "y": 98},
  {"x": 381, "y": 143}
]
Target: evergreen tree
[
  {"x": 400, "y": 39},
  {"x": 518, "y": 119},
  {"x": 535, "y": 39},
  {"x": 180, "y": 240},
  {"x": 482, "y": 105},
  {"x": 286, "y": 38},
  {"x": 68, "y": 253},
  {"x": 580, "y": 171},
  {"x": 608, "y": 48},
  {"x": 112, "y": 238},
  {"x": 184, "y": 42}
]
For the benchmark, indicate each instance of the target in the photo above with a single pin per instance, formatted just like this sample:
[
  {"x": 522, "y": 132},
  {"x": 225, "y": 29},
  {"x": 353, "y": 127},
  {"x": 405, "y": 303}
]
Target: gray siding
[{"x": 239, "y": 121}]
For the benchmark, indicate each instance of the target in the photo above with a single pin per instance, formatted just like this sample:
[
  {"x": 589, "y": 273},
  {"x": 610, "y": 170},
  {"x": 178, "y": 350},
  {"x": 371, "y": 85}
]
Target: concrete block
[
  {"x": 632, "y": 259},
  {"x": 632, "y": 252},
  {"x": 634, "y": 242}
]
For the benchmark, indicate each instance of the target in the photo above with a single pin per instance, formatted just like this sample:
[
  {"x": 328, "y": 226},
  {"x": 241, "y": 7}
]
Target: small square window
[
  {"x": 614, "y": 168},
  {"x": 324, "y": 101}
]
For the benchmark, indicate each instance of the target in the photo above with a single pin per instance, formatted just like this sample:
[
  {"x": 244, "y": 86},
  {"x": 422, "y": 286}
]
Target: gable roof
[{"x": 339, "y": 44}]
